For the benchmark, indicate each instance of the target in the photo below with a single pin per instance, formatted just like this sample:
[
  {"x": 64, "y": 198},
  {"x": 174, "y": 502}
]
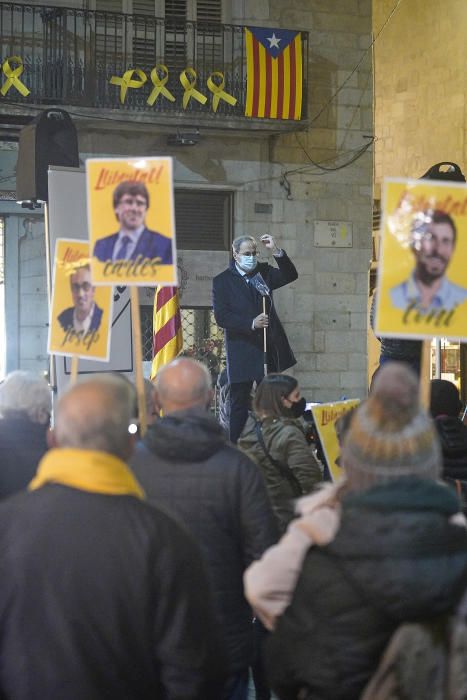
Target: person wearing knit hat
[
  {"x": 390, "y": 436},
  {"x": 399, "y": 553}
]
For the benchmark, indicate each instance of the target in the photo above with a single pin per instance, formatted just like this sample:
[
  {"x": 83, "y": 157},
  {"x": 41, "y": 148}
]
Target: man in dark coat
[
  {"x": 101, "y": 595},
  {"x": 187, "y": 468},
  {"x": 238, "y": 309},
  {"x": 25, "y": 408},
  {"x": 134, "y": 239}
]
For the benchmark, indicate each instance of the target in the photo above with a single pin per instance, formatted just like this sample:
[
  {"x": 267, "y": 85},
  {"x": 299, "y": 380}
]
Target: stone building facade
[{"x": 319, "y": 170}]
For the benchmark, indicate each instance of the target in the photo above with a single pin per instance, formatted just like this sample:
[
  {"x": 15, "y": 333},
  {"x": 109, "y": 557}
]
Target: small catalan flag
[
  {"x": 167, "y": 340},
  {"x": 274, "y": 73}
]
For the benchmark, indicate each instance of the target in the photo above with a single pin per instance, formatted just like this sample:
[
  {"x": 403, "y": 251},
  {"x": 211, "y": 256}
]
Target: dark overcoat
[{"x": 236, "y": 303}]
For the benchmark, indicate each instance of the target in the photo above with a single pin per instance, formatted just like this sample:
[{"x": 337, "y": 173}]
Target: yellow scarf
[{"x": 88, "y": 470}]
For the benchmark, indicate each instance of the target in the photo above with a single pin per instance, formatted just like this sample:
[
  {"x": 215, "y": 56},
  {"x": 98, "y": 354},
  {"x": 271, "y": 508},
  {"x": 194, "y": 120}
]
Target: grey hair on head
[
  {"x": 103, "y": 426},
  {"x": 26, "y": 394},
  {"x": 237, "y": 242}
]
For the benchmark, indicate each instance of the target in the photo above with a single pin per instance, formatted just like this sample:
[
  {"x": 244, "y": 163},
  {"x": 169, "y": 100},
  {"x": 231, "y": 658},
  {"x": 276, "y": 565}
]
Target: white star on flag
[{"x": 273, "y": 41}]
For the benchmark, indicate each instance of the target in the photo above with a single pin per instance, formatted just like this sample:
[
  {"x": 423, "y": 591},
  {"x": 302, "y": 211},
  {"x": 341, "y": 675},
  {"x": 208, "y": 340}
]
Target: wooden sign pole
[
  {"x": 138, "y": 355},
  {"x": 74, "y": 369},
  {"x": 425, "y": 386}
]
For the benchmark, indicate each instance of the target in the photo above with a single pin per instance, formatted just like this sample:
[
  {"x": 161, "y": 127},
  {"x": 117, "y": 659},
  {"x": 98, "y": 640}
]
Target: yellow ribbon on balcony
[
  {"x": 188, "y": 81},
  {"x": 159, "y": 84},
  {"x": 218, "y": 92},
  {"x": 12, "y": 75},
  {"x": 127, "y": 81}
]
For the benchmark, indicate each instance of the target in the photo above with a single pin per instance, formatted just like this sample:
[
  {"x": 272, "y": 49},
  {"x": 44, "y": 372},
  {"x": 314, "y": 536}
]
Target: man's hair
[
  {"x": 197, "y": 393},
  {"x": 104, "y": 427},
  {"x": 437, "y": 217},
  {"x": 25, "y": 394},
  {"x": 237, "y": 242},
  {"x": 269, "y": 394},
  {"x": 132, "y": 188},
  {"x": 85, "y": 266}
]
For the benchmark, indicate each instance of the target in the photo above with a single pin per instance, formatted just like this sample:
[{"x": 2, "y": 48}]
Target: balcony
[{"x": 70, "y": 57}]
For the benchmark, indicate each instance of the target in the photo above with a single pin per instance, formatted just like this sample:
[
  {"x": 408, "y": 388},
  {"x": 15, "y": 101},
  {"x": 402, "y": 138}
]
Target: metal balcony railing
[{"x": 70, "y": 55}]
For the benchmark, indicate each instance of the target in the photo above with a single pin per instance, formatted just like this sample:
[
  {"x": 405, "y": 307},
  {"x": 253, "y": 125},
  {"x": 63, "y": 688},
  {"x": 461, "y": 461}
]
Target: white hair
[{"x": 26, "y": 393}]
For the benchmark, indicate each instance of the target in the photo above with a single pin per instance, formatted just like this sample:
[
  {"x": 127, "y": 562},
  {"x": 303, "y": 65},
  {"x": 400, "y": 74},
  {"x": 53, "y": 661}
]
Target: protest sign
[
  {"x": 325, "y": 416},
  {"x": 422, "y": 284},
  {"x": 131, "y": 221},
  {"x": 80, "y": 313}
]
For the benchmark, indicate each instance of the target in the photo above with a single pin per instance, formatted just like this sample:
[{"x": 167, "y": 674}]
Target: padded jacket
[
  {"x": 102, "y": 596},
  {"x": 22, "y": 446},
  {"x": 399, "y": 556},
  {"x": 186, "y": 466},
  {"x": 284, "y": 438}
]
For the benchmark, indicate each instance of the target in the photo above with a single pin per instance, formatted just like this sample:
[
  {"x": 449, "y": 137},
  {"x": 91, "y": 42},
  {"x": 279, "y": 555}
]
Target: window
[
  {"x": 203, "y": 219},
  {"x": 191, "y": 31},
  {"x": 187, "y": 43}
]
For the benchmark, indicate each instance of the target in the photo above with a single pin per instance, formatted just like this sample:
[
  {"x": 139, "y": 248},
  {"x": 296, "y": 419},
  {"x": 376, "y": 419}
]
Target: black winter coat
[
  {"x": 22, "y": 446},
  {"x": 102, "y": 597},
  {"x": 186, "y": 467},
  {"x": 453, "y": 436},
  {"x": 236, "y": 304},
  {"x": 396, "y": 558}
]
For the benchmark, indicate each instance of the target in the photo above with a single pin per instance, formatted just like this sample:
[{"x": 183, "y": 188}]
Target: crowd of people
[{"x": 178, "y": 565}]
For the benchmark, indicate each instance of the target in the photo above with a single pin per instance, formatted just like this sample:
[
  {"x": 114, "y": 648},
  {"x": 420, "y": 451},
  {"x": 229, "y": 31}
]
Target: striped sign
[
  {"x": 167, "y": 328},
  {"x": 274, "y": 73}
]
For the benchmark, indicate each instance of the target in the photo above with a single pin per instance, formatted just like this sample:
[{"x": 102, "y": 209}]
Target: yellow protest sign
[
  {"x": 131, "y": 221},
  {"x": 422, "y": 284},
  {"x": 325, "y": 416},
  {"x": 80, "y": 313}
]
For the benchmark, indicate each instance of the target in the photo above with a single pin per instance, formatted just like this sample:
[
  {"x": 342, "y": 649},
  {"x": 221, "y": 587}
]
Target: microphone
[{"x": 260, "y": 285}]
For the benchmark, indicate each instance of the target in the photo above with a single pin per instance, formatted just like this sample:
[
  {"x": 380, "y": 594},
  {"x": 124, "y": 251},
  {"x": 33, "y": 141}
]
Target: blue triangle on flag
[{"x": 273, "y": 40}]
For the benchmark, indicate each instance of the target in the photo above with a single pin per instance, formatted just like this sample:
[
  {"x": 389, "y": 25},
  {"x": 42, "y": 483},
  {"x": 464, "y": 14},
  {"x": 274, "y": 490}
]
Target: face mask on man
[{"x": 247, "y": 262}]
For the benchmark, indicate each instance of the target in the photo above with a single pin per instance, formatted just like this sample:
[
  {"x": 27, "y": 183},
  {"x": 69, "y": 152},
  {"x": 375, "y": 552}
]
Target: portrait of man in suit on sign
[
  {"x": 85, "y": 315},
  {"x": 133, "y": 240}
]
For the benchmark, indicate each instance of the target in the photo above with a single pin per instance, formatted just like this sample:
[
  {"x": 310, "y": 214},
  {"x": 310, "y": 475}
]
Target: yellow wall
[{"x": 420, "y": 86}]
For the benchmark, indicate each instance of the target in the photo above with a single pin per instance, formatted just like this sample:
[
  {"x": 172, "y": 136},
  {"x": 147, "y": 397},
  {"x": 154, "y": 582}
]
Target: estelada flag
[
  {"x": 274, "y": 73},
  {"x": 167, "y": 340}
]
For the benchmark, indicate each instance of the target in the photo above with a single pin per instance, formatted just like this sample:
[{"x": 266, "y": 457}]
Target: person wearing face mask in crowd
[
  {"x": 274, "y": 437},
  {"x": 238, "y": 309}
]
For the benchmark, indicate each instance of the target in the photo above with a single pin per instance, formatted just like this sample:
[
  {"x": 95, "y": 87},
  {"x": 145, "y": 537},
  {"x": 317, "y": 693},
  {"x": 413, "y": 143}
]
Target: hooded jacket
[
  {"x": 397, "y": 557},
  {"x": 186, "y": 467},
  {"x": 284, "y": 438}
]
